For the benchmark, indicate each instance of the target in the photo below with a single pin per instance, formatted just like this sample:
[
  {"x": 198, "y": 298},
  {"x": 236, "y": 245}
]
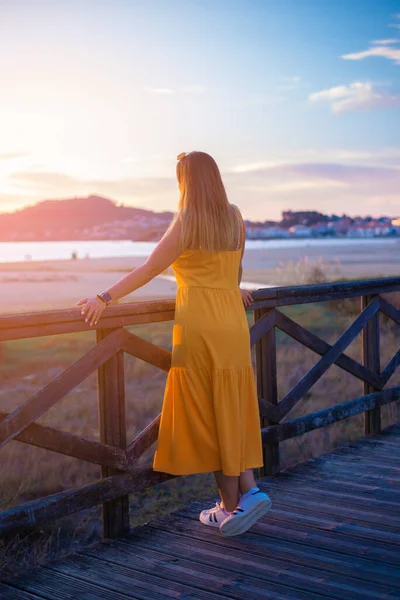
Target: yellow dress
[{"x": 210, "y": 418}]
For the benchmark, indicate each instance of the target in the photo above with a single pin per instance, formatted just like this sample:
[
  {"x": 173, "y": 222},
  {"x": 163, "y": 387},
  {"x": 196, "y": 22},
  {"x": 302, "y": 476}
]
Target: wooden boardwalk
[{"x": 333, "y": 532}]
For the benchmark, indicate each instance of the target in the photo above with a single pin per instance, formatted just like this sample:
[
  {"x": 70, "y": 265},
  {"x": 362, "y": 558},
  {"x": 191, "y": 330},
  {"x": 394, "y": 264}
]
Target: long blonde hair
[{"x": 208, "y": 222}]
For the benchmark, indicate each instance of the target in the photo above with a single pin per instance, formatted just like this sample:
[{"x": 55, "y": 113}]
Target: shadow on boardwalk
[{"x": 333, "y": 532}]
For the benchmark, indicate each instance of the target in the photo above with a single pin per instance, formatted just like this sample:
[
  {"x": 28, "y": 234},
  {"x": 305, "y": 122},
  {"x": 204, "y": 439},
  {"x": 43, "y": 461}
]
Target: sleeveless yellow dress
[{"x": 210, "y": 418}]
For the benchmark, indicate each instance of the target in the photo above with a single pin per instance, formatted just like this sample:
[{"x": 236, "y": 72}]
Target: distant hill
[{"x": 93, "y": 217}]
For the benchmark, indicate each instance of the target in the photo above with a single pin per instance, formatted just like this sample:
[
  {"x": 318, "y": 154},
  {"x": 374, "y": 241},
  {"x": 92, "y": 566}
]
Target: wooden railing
[{"x": 118, "y": 459}]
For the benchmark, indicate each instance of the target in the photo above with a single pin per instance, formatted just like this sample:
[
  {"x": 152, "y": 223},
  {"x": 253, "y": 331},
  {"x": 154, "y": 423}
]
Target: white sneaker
[
  {"x": 252, "y": 505},
  {"x": 214, "y": 516}
]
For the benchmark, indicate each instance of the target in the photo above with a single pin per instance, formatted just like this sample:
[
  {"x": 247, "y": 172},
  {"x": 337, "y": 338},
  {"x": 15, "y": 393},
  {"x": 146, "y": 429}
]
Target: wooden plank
[
  {"x": 321, "y": 489},
  {"x": 56, "y": 389},
  {"x": 328, "y": 359},
  {"x": 326, "y": 416},
  {"x": 194, "y": 566},
  {"x": 268, "y": 410},
  {"x": 181, "y": 576},
  {"x": 143, "y": 441},
  {"x": 80, "y": 325},
  {"x": 112, "y": 426},
  {"x": 66, "y": 503},
  {"x": 9, "y": 592},
  {"x": 140, "y": 348},
  {"x": 313, "y": 342},
  {"x": 326, "y": 505},
  {"x": 389, "y": 310},
  {"x": 67, "y": 315},
  {"x": 54, "y": 585},
  {"x": 267, "y": 388},
  {"x": 275, "y": 534},
  {"x": 320, "y": 292},
  {"x": 391, "y": 367},
  {"x": 262, "y": 325},
  {"x": 69, "y": 444},
  {"x": 250, "y": 559},
  {"x": 381, "y": 534},
  {"x": 371, "y": 359}
]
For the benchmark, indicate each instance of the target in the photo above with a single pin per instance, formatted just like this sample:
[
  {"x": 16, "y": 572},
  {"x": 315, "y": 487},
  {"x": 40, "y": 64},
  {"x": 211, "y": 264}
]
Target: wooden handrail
[{"x": 118, "y": 457}]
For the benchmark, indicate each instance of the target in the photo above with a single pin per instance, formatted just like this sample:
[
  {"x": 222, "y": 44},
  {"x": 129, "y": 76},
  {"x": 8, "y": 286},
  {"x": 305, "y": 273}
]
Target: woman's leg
[
  {"x": 228, "y": 487},
  {"x": 247, "y": 481}
]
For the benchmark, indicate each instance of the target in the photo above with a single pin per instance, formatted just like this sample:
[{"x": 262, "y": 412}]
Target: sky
[{"x": 298, "y": 101}]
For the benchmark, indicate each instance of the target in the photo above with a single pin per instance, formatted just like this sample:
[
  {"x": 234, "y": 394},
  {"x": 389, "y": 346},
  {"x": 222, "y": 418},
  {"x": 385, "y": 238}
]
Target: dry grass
[{"x": 27, "y": 365}]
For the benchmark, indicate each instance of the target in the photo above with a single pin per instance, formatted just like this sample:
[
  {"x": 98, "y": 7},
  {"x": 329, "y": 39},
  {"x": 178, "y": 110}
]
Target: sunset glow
[{"x": 300, "y": 107}]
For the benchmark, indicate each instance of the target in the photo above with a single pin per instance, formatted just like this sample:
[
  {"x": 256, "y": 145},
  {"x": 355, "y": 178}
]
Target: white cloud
[
  {"x": 187, "y": 89},
  {"x": 162, "y": 91},
  {"x": 384, "y": 51},
  {"x": 291, "y": 79},
  {"x": 12, "y": 155},
  {"x": 289, "y": 82},
  {"x": 356, "y": 96},
  {"x": 287, "y": 187},
  {"x": 387, "y": 41}
]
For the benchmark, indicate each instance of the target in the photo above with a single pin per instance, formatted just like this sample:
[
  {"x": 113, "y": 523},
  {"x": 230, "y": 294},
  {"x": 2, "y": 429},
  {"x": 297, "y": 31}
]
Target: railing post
[
  {"x": 112, "y": 425},
  {"x": 267, "y": 388},
  {"x": 371, "y": 359}
]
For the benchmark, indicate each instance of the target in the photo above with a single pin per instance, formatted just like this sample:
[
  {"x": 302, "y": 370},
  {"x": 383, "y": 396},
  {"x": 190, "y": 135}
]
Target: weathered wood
[
  {"x": 143, "y": 441},
  {"x": 389, "y": 310},
  {"x": 320, "y": 292},
  {"x": 327, "y": 416},
  {"x": 371, "y": 359},
  {"x": 80, "y": 325},
  {"x": 267, "y": 389},
  {"x": 56, "y": 389},
  {"x": 112, "y": 425},
  {"x": 319, "y": 540},
  {"x": 262, "y": 326},
  {"x": 313, "y": 342},
  {"x": 328, "y": 359},
  {"x": 140, "y": 348},
  {"x": 67, "y": 315},
  {"x": 391, "y": 367},
  {"x": 268, "y": 410},
  {"x": 66, "y": 503},
  {"x": 69, "y": 444}
]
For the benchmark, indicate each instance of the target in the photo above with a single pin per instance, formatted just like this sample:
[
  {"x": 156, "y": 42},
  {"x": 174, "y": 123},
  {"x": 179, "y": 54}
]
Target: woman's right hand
[{"x": 246, "y": 297}]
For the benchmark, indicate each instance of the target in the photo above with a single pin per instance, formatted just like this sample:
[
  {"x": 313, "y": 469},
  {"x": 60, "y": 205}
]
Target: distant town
[{"x": 98, "y": 218}]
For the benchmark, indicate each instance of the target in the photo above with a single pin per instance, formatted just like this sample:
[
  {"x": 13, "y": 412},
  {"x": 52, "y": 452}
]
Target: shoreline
[{"x": 28, "y": 286}]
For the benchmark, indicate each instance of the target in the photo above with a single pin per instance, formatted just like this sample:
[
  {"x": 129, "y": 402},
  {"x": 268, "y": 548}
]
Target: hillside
[{"x": 93, "y": 217}]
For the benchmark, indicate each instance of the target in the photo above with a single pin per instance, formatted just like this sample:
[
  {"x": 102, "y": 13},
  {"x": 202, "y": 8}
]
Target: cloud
[
  {"x": 186, "y": 89},
  {"x": 162, "y": 91},
  {"x": 136, "y": 191},
  {"x": 324, "y": 186},
  {"x": 386, "y": 42},
  {"x": 337, "y": 180},
  {"x": 384, "y": 51},
  {"x": 289, "y": 83},
  {"x": 356, "y": 96},
  {"x": 11, "y": 155}
]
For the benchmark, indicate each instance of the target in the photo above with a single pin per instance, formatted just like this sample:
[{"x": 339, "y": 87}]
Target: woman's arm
[
  {"x": 163, "y": 255},
  {"x": 167, "y": 250}
]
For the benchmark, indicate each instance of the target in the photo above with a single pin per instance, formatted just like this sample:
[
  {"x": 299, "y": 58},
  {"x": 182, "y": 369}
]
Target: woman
[{"x": 210, "y": 419}]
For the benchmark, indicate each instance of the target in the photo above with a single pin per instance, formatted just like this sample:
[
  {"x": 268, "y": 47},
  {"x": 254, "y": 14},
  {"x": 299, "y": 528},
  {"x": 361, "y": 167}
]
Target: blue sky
[{"x": 298, "y": 101}]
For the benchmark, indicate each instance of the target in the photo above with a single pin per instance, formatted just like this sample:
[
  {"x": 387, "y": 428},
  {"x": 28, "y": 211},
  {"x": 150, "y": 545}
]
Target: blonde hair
[{"x": 208, "y": 221}]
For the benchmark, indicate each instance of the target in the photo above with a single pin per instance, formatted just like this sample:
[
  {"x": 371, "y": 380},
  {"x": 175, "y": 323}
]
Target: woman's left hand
[
  {"x": 92, "y": 309},
  {"x": 246, "y": 297}
]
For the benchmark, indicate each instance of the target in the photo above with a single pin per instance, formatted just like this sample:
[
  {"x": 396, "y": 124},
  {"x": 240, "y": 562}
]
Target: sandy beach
[{"x": 53, "y": 284}]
